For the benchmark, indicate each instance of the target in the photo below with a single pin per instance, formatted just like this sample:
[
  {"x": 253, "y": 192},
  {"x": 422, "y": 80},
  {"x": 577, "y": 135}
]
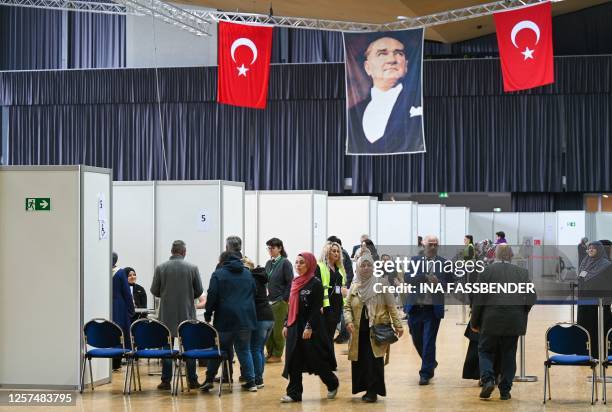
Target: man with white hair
[{"x": 426, "y": 311}]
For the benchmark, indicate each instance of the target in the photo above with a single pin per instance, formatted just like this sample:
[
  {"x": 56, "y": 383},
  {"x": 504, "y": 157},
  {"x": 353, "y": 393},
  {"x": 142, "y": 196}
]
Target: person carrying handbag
[{"x": 372, "y": 320}]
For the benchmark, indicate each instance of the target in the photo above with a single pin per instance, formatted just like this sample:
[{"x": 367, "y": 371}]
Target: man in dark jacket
[
  {"x": 231, "y": 299},
  {"x": 500, "y": 319}
]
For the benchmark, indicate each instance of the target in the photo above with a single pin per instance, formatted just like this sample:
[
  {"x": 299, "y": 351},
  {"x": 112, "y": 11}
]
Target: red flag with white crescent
[
  {"x": 524, "y": 38},
  {"x": 243, "y": 57}
]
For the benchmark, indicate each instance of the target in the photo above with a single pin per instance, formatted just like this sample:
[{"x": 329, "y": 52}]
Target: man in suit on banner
[{"x": 389, "y": 121}]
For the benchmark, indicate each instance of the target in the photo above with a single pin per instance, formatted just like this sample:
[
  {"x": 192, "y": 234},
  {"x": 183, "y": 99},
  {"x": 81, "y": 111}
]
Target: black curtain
[
  {"x": 30, "y": 39},
  {"x": 96, "y": 40},
  {"x": 475, "y": 144},
  {"x": 37, "y": 39},
  {"x": 477, "y": 137},
  {"x": 547, "y": 202},
  {"x": 589, "y": 142},
  {"x": 279, "y": 148}
]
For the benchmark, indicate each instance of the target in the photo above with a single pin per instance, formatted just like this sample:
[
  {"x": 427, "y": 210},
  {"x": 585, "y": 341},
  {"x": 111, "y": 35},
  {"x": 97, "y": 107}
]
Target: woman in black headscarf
[{"x": 594, "y": 280}]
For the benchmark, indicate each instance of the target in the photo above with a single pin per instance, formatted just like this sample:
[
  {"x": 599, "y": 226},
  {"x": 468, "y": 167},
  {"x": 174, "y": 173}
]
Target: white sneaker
[
  {"x": 287, "y": 399},
  {"x": 259, "y": 386},
  {"x": 332, "y": 394}
]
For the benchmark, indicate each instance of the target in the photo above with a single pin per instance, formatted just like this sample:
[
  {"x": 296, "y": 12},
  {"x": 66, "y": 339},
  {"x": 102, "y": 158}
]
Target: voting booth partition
[
  {"x": 134, "y": 229},
  {"x": 55, "y": 262},
  {"x": 152, "y": 215},
  {"x": 457, "y": 225},
  {"x": 431, "y": 221},
  {"x": 349, "y": 217},
  {"x": 603, "y": 226},
  {"x": 202, "y": 214},
  {"x": 298, "y": 218},
  {"x": 251, "y": 242},
  {"x": 395, "y": 223}
]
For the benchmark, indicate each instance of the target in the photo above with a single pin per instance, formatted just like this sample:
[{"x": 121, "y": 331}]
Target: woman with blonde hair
[
  {"x": 370, "y": 308},
  {"x": 330, "y": 270}
]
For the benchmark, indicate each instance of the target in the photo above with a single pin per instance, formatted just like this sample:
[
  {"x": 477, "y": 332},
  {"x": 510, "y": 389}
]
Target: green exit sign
[
  {"x": 571, "y": 224},
  {"x": 33, "y": 204},
  {"x": 443, "y": 195}
]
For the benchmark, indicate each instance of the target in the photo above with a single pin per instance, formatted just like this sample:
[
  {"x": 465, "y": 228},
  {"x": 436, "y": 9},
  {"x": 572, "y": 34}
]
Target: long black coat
[
  {"x": 315, "y": 353},
  {"x": 502, "y": 314}
]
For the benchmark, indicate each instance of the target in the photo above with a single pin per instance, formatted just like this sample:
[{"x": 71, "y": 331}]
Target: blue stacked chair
[
  {"x": 107, "y": 342},
  {"x": 200, "y": 340},
  {"x": 571, "y": 345},
  {"x": 151, "y": 339}
]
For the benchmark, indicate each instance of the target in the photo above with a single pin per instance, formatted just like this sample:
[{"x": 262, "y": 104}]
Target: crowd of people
[{"x": 263, "y": 314}]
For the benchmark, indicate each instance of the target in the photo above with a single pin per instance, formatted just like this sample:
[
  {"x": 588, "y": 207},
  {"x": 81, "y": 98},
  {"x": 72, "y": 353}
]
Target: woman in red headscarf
[{"x": 307, "y": 349}]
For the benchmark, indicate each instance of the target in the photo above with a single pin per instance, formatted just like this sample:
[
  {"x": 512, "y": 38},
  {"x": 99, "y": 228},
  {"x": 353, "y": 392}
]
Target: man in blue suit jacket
[{"x": 425, "y": 311}]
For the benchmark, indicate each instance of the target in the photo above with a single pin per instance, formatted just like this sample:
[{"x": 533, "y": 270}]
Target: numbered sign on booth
[{"x": 203, "y": 221}]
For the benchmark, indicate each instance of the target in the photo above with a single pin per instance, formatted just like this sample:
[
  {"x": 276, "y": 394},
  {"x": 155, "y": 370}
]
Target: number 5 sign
[{"x": 203, "y": 221}]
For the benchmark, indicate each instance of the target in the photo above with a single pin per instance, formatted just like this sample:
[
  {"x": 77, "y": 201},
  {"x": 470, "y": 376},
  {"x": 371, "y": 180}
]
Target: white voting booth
[
  {"x": 202, "y": 213},
  {"x": 603, "y": 226},
  {"x": 149, "y": 216},
  {"x": 507, "y": 222},
  {"x": 457, "y": 225},
  {"x": 349, "y": 217},
  {"x": 395, "y": 223},
  {"x": 134, "y": 229},
  {"x": 251, "y": 242},
  {"x": 297, "y": 217},
  {"x": 431, "y": 221},
  {"x": 56, "y": 246}
]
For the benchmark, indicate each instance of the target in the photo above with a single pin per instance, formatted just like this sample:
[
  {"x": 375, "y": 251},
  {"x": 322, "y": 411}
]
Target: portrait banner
[{"x": 384, "y": 98}]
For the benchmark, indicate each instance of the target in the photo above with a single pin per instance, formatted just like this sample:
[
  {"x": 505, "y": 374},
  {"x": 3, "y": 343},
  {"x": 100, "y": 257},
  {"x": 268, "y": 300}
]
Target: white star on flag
[
  {"x": 242, "y": 70},
  {"x": 527, "y": 53}
]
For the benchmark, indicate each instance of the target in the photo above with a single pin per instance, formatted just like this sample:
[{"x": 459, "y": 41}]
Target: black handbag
[{"x": 384, "y": 333}]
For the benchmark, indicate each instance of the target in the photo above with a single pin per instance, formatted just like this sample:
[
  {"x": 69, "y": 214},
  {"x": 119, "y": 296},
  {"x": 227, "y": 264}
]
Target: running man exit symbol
[{"x": 33, "y": 204}]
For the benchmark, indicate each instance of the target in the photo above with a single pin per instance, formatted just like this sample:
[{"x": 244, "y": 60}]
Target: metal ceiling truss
[
  {"x": 198, "y": 21},
  {"x": 169, "y": 13},
  {"x": 69, "y": 5},
  {"x": 334, "y": 25}
]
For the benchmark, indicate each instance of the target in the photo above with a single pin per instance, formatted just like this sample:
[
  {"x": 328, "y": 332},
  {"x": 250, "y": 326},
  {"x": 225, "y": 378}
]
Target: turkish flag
[
  {"x": 243, "y": 57},
  {"x": 524, "y": 38}
]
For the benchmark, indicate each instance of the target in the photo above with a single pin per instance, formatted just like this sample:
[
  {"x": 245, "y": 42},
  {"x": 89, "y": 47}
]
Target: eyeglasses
[{"x": 432, "y": 244}]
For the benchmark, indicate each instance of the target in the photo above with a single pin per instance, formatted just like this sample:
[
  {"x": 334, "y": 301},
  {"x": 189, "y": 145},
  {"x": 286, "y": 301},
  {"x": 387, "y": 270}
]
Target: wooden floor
[{"x": 448, "y": 391}]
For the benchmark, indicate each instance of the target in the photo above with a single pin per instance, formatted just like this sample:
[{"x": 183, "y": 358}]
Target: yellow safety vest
[{"x": 325, "y": 277}]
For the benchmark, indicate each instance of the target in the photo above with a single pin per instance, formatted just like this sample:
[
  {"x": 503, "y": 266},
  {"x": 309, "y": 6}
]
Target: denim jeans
[
  {"x": 258, "y": 339},
  {"x": 423, "y": 326},
  {"x": 239, "y": 340}
]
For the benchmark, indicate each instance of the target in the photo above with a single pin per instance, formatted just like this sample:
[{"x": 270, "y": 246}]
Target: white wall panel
[
  {"x": 134, "y": 230},
  {"x": 395, "y": 226},
  {"x": 430, "y": 220},
  {"x": 508, "y": 223},
  {"x": 251, "y": 245},
  {"x": 481, "y": 226},
  {"x": 349, "y": 217},
  {"x": 456, "y": 226}
]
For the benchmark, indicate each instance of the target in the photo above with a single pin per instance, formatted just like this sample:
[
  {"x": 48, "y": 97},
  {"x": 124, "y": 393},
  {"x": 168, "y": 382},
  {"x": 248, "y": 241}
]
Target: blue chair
[
  {"x": 151, "y": 339},
  {"x": 572, "y": 345},
  {"x": 106, "y": 339},
  {"x": 200, "y": 340}
]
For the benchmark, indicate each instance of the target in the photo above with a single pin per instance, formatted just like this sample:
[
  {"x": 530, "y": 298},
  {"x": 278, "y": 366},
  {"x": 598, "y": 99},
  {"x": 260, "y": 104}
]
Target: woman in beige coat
[{"x": 363, "y": 309}]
